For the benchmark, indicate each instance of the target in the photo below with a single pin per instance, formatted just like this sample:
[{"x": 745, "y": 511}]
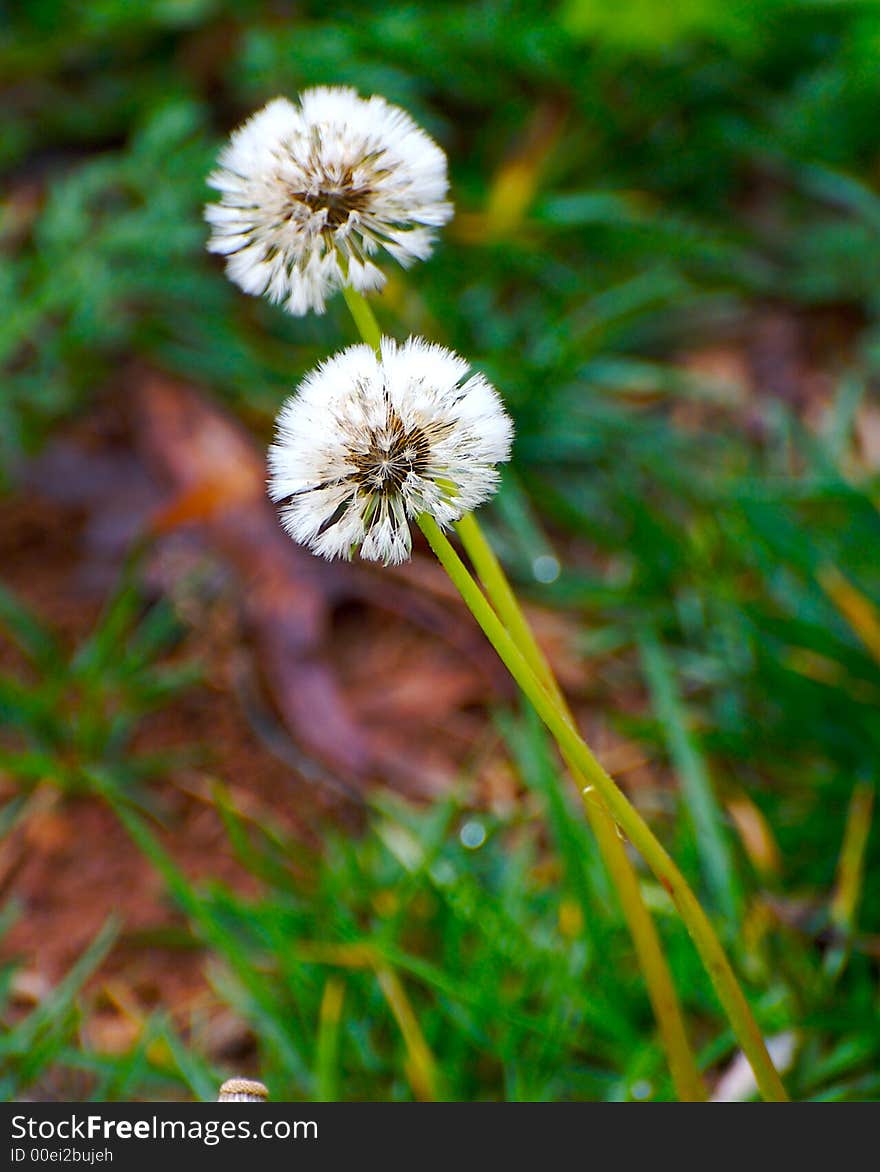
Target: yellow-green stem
[
  {"x": 658, "y": 979},
  {"x": 712, "y": 954},
  {"x": 363, "y": 315}
]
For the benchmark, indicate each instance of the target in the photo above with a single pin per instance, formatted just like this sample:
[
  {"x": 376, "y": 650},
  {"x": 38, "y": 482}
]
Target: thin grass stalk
[{"x": 700, "y": 800}]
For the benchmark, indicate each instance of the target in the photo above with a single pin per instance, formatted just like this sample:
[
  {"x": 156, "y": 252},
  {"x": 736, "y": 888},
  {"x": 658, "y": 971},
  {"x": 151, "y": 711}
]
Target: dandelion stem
[
  {"x": 703, "y": 935},
  {"x": 363, "y": 315},
  {"x": 658, "y": 979}
]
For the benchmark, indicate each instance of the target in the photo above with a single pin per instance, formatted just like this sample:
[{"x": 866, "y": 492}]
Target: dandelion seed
[
  {"x": 311, "y": 191},
  {"x": 367, "y": 444}
]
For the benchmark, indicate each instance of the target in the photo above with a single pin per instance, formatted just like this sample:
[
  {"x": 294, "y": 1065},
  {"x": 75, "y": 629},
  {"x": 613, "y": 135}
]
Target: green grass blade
[{"x": 697, "y": 791}]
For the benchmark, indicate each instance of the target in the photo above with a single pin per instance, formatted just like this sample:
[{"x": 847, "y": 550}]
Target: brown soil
[{"x": 392, "y": 658}]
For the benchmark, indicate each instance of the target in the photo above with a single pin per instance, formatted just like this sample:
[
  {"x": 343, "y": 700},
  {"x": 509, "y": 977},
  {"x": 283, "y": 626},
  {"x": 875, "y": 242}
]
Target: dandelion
[
  {"x": 311, "y": 191},
  {"x": 382, "y": 435},
  {"x": 369, "y": 443}
]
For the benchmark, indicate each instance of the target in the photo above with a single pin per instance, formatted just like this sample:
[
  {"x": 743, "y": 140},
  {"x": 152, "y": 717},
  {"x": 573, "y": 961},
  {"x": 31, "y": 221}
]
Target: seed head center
[
  {"x": 336, "y": 195},
  {"x": 391, "y": 456}
]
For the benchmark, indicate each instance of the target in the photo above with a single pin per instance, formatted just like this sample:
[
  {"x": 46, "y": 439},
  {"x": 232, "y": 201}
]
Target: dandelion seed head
[
  {"x": 311, "y": 191},
  {"x": 368, "y": 443}
]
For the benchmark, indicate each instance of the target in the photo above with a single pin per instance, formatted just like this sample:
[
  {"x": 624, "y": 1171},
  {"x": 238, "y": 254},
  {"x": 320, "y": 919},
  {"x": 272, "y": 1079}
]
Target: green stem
[
  {"x": 712, "y": 954},
  {"x": 661, "y": 990},
  {"x": 658, "y": 979},
  {"x": 363, "y": 315}
]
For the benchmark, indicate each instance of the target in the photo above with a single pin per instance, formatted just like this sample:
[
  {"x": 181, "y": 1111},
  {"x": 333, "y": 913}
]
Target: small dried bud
[{"x": 242, "y": 1090}]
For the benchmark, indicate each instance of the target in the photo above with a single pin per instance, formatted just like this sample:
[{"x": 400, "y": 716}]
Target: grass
[
  {"x": 66, "y": 716},
  {"x": 487, "y": 952},
  {"x": 637, "y": 194}
]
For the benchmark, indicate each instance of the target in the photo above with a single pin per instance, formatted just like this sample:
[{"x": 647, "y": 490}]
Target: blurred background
[{"x": 264, "y": 815}]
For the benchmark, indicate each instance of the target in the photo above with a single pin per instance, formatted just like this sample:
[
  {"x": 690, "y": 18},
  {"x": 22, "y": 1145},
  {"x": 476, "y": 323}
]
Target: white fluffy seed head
[
  {"x": 366, "y": 444},
  {"x": 310, "y": 191}
]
